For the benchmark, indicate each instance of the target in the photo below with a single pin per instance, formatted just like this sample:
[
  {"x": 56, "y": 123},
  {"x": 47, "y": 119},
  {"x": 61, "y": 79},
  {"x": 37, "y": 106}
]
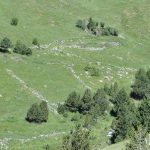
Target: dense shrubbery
[
  {"x": 93, "y": 71},
  {"x": 14, "y": 21},
  {"x": 38, "y": 113},
  {"x": 5, "y": 45},
  {"x": 22, "y": 49},
  {"x": 78, "y": 139},
  {"x": 96, "y": 28}
]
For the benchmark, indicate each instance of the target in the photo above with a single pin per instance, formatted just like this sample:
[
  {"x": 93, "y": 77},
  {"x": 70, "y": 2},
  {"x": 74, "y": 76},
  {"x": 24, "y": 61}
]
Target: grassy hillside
[{"x": 56, "y": 69}]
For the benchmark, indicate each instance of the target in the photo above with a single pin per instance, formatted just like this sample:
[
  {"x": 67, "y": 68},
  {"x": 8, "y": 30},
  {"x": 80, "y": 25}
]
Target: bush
[
  {"x": 78, "y": 139},
  {"x": 113, "y": 31},
  {"x": 35, "y": 42},
  {"x": 38, "y": 113},
  {"x": 14, "y": 21},
  {"x": 105, "y": 32},
  {"x": 5, "y": 44},
  {"x": 61, "y": 109},
  {"x": 81, "y": 24},
  {"x": 92, "y": 70},
  {"x": 102, "y": 24},
  {"x": 22, "y": 49}
]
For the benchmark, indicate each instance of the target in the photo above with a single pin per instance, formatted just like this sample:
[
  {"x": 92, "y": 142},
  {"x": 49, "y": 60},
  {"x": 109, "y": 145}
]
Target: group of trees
[
  {"x": 95, "y": 105},
  {"x": 128, "y": 117},
  {"x": 96, "y": 28},
  {"x": 38, "y": 113},
  {"x": 125, "y": 114},
  {"x": 19, "y": 48}
]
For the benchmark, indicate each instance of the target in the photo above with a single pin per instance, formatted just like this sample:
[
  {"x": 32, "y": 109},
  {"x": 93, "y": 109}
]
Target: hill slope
[{"x": 58, "y": 67}]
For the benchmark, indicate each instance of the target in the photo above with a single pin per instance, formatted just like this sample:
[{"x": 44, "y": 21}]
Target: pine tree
[
  {"x": 86, "y": 101},
  {"x": 38, "y": 113},
  {"x": 122, "y": 98},
  {"x": 44, "y": 111},
  {"x": 100, "y": 102},
  {"x": 141, "y": 86},
  {"x": 73, "y": 102},
  {"x": 32, "y": 113}
]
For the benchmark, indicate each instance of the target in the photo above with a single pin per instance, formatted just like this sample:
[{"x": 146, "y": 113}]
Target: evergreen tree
[
  {"x": 100, "y": 102},
  {"x": 78, "y": 139},
  {"x": 38, "y": 113},
  {"x": 86, "y": 101},
  {"x": 114, "y": 89},
  {"x": 44, "y": 111},
  {"x": 141, "y": 86},
  {"x": 121, "y": 99},
  {"x": 125, "y": 121},
  {"x": 73, "y": 102},
  {"x": 32, "y": 113},
  {"x": 144, "y": 112}
]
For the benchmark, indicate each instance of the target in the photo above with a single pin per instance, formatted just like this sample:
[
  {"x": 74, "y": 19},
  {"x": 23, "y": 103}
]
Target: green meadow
[{"x": 57, "y": 67}]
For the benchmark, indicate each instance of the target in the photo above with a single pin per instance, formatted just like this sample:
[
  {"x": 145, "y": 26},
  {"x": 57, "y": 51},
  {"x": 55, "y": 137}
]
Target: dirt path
[{"x": 4, "y": 143}]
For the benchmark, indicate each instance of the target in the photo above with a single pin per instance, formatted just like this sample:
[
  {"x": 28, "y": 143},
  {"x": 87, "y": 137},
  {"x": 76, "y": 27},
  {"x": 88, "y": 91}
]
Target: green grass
[{"x": 46, "y": 70}]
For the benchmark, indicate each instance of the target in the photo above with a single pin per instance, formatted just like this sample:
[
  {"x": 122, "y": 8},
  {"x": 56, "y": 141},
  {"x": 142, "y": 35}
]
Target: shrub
[
  {"x": 78, "y": 139},
  {"x": 14, "y": 21},
  {"x": 38, "y": 113},
  {"x": 22, "y": 49},
  {"x": 61, "y": 109},
  {"x": 81, "y": 24},
  {"x": 113, "y": 31},
  {"x": 105, "y": 32},
  {"x": 102, "y": 24},
  {"x": 92, "y": 70},
  {"x": 92, "y": 24},
  {"x": 35, "y": 42},
  {"x": 5, "y": 44}
]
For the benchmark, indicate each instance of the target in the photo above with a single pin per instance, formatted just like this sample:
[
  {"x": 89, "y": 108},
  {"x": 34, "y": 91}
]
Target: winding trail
[
  {"x": 70, "y": 68},
  {"x": 52, "y": 107}
]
